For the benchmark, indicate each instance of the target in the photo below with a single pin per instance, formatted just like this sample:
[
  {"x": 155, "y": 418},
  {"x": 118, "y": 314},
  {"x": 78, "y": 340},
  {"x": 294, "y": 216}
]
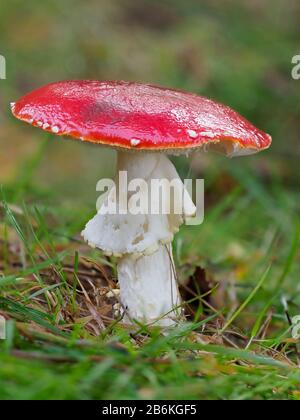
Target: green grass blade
[{"x": 247, "y": 301}]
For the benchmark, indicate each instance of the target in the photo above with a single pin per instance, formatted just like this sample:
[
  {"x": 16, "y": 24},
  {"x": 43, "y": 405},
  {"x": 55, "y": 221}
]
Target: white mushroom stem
[
  {"x": 142, "y": 241},
  {"x": 149, "y": 290}
]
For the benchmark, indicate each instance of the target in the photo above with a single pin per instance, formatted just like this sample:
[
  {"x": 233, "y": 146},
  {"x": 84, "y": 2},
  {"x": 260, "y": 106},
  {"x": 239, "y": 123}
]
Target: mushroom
[{"x": 144, "y": 124}]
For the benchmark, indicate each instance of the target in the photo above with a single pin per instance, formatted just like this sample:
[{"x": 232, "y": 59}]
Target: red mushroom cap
[{"x": 136, "y": 116}]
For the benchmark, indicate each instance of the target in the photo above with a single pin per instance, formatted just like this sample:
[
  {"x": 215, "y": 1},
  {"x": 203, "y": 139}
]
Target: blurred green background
[{"x": 238, "y": 52}]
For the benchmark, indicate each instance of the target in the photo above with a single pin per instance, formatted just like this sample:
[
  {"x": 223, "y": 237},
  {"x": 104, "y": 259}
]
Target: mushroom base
[{"x": 149, "y": 291}]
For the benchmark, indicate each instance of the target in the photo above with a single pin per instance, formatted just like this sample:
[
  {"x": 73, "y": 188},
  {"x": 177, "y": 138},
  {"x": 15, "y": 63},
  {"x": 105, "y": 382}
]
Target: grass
[{"x": 64, "y": 340}]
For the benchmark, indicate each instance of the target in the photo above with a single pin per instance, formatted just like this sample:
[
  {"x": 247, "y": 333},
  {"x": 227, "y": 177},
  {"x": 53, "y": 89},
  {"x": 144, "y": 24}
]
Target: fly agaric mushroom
[{"x": 144, "y": 123}]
